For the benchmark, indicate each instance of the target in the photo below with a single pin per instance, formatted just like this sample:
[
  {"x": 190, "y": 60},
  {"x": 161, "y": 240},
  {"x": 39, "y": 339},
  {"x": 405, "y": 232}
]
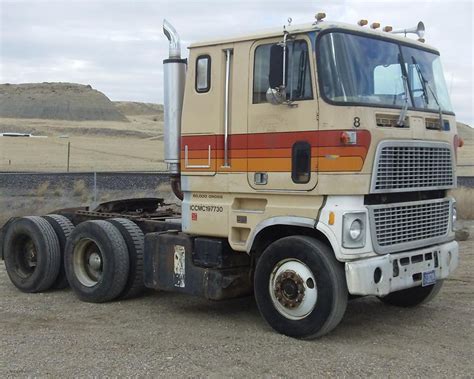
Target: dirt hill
[
  {"x": 465, "y": 131},
  {"x": 57, "y": 101},
  {"x": 131, "y": 108}
]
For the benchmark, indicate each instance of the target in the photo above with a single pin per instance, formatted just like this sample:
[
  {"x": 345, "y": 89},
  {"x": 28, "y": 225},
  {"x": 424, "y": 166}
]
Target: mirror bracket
[{"x": 277, "y": 96}]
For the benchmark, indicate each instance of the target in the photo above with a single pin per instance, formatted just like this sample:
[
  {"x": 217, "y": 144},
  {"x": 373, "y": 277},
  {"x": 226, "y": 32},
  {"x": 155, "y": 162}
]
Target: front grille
[
  {"x": 412, "y": 166},
  {"x": 403, "y": 226}
]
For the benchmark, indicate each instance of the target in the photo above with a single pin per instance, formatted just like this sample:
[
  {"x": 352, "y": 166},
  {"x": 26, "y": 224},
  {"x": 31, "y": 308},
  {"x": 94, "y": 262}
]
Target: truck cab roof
[{"x": 313, "y": 27}]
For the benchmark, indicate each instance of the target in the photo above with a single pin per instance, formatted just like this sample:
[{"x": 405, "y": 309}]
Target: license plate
[{"x": 429, "y": 278}]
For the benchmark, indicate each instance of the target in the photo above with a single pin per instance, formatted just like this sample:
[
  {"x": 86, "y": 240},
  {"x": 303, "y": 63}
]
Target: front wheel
[
  {"x": 411, "y": 297},
  {"x": 300, "y": 287}
]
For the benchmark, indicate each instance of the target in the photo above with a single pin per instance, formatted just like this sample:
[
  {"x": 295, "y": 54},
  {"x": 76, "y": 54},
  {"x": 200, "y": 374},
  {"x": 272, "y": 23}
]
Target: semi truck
[{"x": 313, "y": 164}]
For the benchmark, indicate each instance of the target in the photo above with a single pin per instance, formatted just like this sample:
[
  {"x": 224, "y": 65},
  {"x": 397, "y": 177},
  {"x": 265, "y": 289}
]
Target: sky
[{"x": 117, "y": 46}]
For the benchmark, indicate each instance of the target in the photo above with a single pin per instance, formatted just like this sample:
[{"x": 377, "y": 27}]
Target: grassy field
[{"x": 95, "y": 145}]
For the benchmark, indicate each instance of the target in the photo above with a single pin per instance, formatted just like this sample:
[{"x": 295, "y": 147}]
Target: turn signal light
[
  {"x": 345, "y": 138},
  {"x": 348, "y": 138},
  {"x": 460, "y": 142},
  {"x": 332, "y": 218}
]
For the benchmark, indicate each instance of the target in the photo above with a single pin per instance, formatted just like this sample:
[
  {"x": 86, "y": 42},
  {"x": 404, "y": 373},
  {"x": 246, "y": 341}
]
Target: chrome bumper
[{"x": 400, "y": 270}]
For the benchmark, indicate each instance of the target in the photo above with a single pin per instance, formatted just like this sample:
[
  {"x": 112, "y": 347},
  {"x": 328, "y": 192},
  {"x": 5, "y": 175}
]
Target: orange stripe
[
  {"x": 321, "y": 164},
  {"x": 340, "y": 164},
  {"x": 278, "y": 153}
]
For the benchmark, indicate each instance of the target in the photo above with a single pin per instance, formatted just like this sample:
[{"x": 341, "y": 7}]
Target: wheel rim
[
  {"x": 26, "y": 256},
  {"x": 88, "y": 263},
  {"x": 293, "y": 289}
]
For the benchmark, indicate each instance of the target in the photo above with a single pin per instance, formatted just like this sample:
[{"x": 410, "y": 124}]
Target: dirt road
[{"x": 162, "y": 334}]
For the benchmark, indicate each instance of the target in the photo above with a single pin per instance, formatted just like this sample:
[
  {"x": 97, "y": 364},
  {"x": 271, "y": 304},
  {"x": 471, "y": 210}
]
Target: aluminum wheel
[
  {"x": 26, "y": 256},
  {"x": 293, "y": 289},
  {"x": 88, "y": 263}
]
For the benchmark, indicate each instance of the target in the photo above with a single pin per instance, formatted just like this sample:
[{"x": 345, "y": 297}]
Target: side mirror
[{"x": 277, "y": 76}]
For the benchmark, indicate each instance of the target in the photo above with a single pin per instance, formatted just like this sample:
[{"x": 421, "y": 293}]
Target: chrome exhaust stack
[{"x": 174, "y": 69}]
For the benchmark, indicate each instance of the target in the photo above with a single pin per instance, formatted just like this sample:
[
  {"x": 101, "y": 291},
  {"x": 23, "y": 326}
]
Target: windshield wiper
[
  {"x": 401, "y": 119},
  {"x": 424, "y": 84},
  {"x": 422, "y": 80}
]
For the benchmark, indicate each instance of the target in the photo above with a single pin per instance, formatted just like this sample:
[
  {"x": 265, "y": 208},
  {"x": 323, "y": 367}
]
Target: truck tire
[
  {"x": 96, "y": 261},
  {"x": 135, "y": 241},
  {"x": 300, "y": 287},
  {"x": 32, "y": 254},
  {"x": 63, "y": 229},
  {"x": 411, "y": 297}
]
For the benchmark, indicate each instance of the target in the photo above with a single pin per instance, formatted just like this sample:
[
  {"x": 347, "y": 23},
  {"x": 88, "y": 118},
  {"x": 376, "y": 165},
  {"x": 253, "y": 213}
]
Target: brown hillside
[
  {"x": 132, "y": 108},
  {"x": 465, "y": 132},
  {"x": 57, "y": 101}
]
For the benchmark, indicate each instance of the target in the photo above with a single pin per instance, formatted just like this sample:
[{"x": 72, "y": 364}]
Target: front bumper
[{"x": 400, "y": 270}]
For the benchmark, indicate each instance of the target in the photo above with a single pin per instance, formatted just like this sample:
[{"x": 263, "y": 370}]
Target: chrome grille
[
  {"x": 412, "y": 166},
  {"x": 403, "y": 226}
]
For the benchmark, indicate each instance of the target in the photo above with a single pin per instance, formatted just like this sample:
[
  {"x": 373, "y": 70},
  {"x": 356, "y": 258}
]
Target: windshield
[{"x": 364, "y": 70}]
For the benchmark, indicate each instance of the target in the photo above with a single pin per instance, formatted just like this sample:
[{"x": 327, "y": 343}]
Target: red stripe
[{"x": 325, "y": 138}]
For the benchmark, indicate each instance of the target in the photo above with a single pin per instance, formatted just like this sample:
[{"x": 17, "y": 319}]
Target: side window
[
  {"x": 301, "y": 162},
  {"x": 261, "y": 71},
  {"x": 203, "y": 73},
  {"x": 299, "y": 72}
]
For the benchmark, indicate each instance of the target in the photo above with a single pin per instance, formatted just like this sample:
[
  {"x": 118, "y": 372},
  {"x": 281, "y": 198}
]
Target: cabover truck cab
[{"x": 313, "y": 164}]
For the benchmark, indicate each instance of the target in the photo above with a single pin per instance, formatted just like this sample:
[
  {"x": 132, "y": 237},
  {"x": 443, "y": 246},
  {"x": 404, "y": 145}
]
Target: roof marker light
[
  {"x": 362, "y": 22},
  {"x": 387, "y": 29},
  {"x": 422, "y": 40},
  {"x": 320, "y": 16},
  {"x": 375, "y": 25}
]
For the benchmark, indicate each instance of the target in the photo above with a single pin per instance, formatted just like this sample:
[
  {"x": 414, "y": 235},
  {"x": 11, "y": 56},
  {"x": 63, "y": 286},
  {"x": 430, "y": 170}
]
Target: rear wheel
[
  {"x": 96, "y": 261},
  {"x": 63, "y": 229},
  {"x": 135, "y": 241},
  {"x": 411, "y": 297},
  {"x": 300, "y": 287},
  {"x": 32, "y": 254}
]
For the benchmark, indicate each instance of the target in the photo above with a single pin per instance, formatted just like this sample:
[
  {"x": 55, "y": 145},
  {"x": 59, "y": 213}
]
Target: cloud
[{"x": 117, "y": 46}]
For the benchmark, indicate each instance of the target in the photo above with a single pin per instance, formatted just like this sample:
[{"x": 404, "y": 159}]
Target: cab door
[{"x": 282, "y": 139}]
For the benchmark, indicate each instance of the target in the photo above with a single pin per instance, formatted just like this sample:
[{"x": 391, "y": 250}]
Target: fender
[
  {"x": 305, "y": 222},
  {"x": 280, "y": 220}
]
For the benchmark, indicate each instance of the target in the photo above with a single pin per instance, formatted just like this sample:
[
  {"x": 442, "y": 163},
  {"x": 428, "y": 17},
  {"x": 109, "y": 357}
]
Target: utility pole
[{"x": 68, "y": 154}]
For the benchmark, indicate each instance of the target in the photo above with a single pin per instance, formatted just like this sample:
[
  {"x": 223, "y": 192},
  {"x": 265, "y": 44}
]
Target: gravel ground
[{"x": 164, "y": 334}]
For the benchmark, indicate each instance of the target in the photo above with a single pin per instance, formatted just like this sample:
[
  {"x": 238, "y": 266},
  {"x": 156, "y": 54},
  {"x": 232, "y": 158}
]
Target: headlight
[{"x": 354, "y": 230}]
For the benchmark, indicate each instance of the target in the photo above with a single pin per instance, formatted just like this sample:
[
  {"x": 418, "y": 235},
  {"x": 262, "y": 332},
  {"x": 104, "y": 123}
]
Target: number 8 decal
[{"x": 356, "y": 122}]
